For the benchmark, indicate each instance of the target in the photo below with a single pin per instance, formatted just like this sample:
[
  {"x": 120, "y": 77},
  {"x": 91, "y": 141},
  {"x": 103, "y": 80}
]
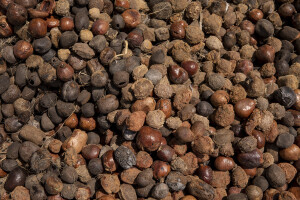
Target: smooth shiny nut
[
  {"x": 148, "y": 139},
  {"x": 37, "y": 28},
  {"x": 100, "y": 27},
  {"x": 224, "y": 163},
  {"x": 23, "y": 49},
  {"x": 244, "y": 108},
  {"x": 177, "y": 74}
]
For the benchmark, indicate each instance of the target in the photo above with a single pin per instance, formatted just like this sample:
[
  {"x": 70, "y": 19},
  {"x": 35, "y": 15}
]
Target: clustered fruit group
[{"x": 150, "y": 99}]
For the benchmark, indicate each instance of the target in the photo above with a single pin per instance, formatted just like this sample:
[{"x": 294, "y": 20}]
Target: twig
[
  {"x": 123, "y": 54},
  {"x": 64, "y": 122},
  {"x": 200, "y": 20},
  {"x": 158, "y": 10},
  {"x": 7, "y": 41}
]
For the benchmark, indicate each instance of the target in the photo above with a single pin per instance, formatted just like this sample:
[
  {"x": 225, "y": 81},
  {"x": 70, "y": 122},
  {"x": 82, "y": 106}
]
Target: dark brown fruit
[
  {"x": 165, "y": 105},
  {"x": 184, "y": 134},
  {"x": 52, "y": 22},
  {"x": 5, "y": 28},
  {"x": 121, "y": 5},
  {"x": 177, "y": 74},
  {"x": 160, "y": 169},
  {"x": 37, "y": 28},
  {"x": 65, "y": 72},
  {"x": 244, "y": 66},
  {"x": 190, "y": 66},
  {"x": 23, "y": 49},
  {"x": 286, "y": 10},
  {"x": 16, "y": 14},
  {"x": 15, "y": 178},
  {"x": 100, "y": 27},
  {"x": 109, "y": 162},
  {"x": 260, "y": 137},
  {"x": 256, "y": 15},
  {"x": 90, "y": 151},
  {"x": 165, "y": 153},
  {"x": 148, "y": 139},
  {"x": 248, "y": 26},
  {"x": 205, "y": 173},
  {"x": 132, "y": 18},
  {"x": 224, "y": 163},
  {"x": 66, "y": 24},
  {"x": 250, "y": 160},
  {"x": 177, "y": 29},
  {"x": 244, "y": 108},
  {"x": 265, "y": 54}
]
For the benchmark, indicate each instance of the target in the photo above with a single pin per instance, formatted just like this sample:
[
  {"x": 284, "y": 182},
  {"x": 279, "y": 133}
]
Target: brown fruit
[
  {"x": 295, "y": 191},
  {"x": 16, "y": 14},
  {"x": 244, "y": 108},
  {"x": 132, "y": 18},
  {"x": 55, "y": 197},
  {"x": 177, "y": 74},
  {"x": 2, "y": 173},
  {"x": 80, "y": 161},
  {"x": 177, "y": 30},
  {"x": 251, "y": 172},
  {"x": 52, "y": 22},
  {"x": 286, "y": 10},
  {"x": 270, "y": 80},
  {"x": 165, "y": 105},
  {"x": 135, "y": 38},
  {"x": 87, "y": 124},
  {"x": 291, "y": 153},
  {"x": 53, "y": 185},
  {"x": 248, "y": 26},
  {"x": 66, "y": 24},
  {"x": 198, "y": 128},
  {"x": 244, "y": 66},
  {"x": 100, "y": 27},
  {"x": 190, "y": 66},
  {"x": 27, "y": 3},
  {"x": 23, "y": 49},
  {"x": 256, "y": 14},
  {"x": 37, "y": 28},
  {"x": 6, "y": 29},
  {"x": 72, "y": 121},
  {"x": 265, "y": 54},
  {"x": 165, "y": 153},
  {"x": 297, "y": 140},
  {"x": 297, "y": 104},
  {"x": 90, "y": 151},
  {"x": 250, "y": 160},
  {"x": 148, "y": 139},
  {"x": 219, "y": 98},
  {"x": 224, "y": 163},
  {"x": 4, "y": 3},
  {"x": 184, "y": 134},
  {"x": 296, "y": 115},
  {"x": 260, "y": 137},
  {"x": 121, "y": 5},
  {"x": 65, "y": 72},
  {"x": 205, "y": 173},
  {"x": 160, "y": 169},
  {"x": 109, "y": 162},
  {"x": 143, "y": 160},
  {"x": 47, "y": 6}
]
